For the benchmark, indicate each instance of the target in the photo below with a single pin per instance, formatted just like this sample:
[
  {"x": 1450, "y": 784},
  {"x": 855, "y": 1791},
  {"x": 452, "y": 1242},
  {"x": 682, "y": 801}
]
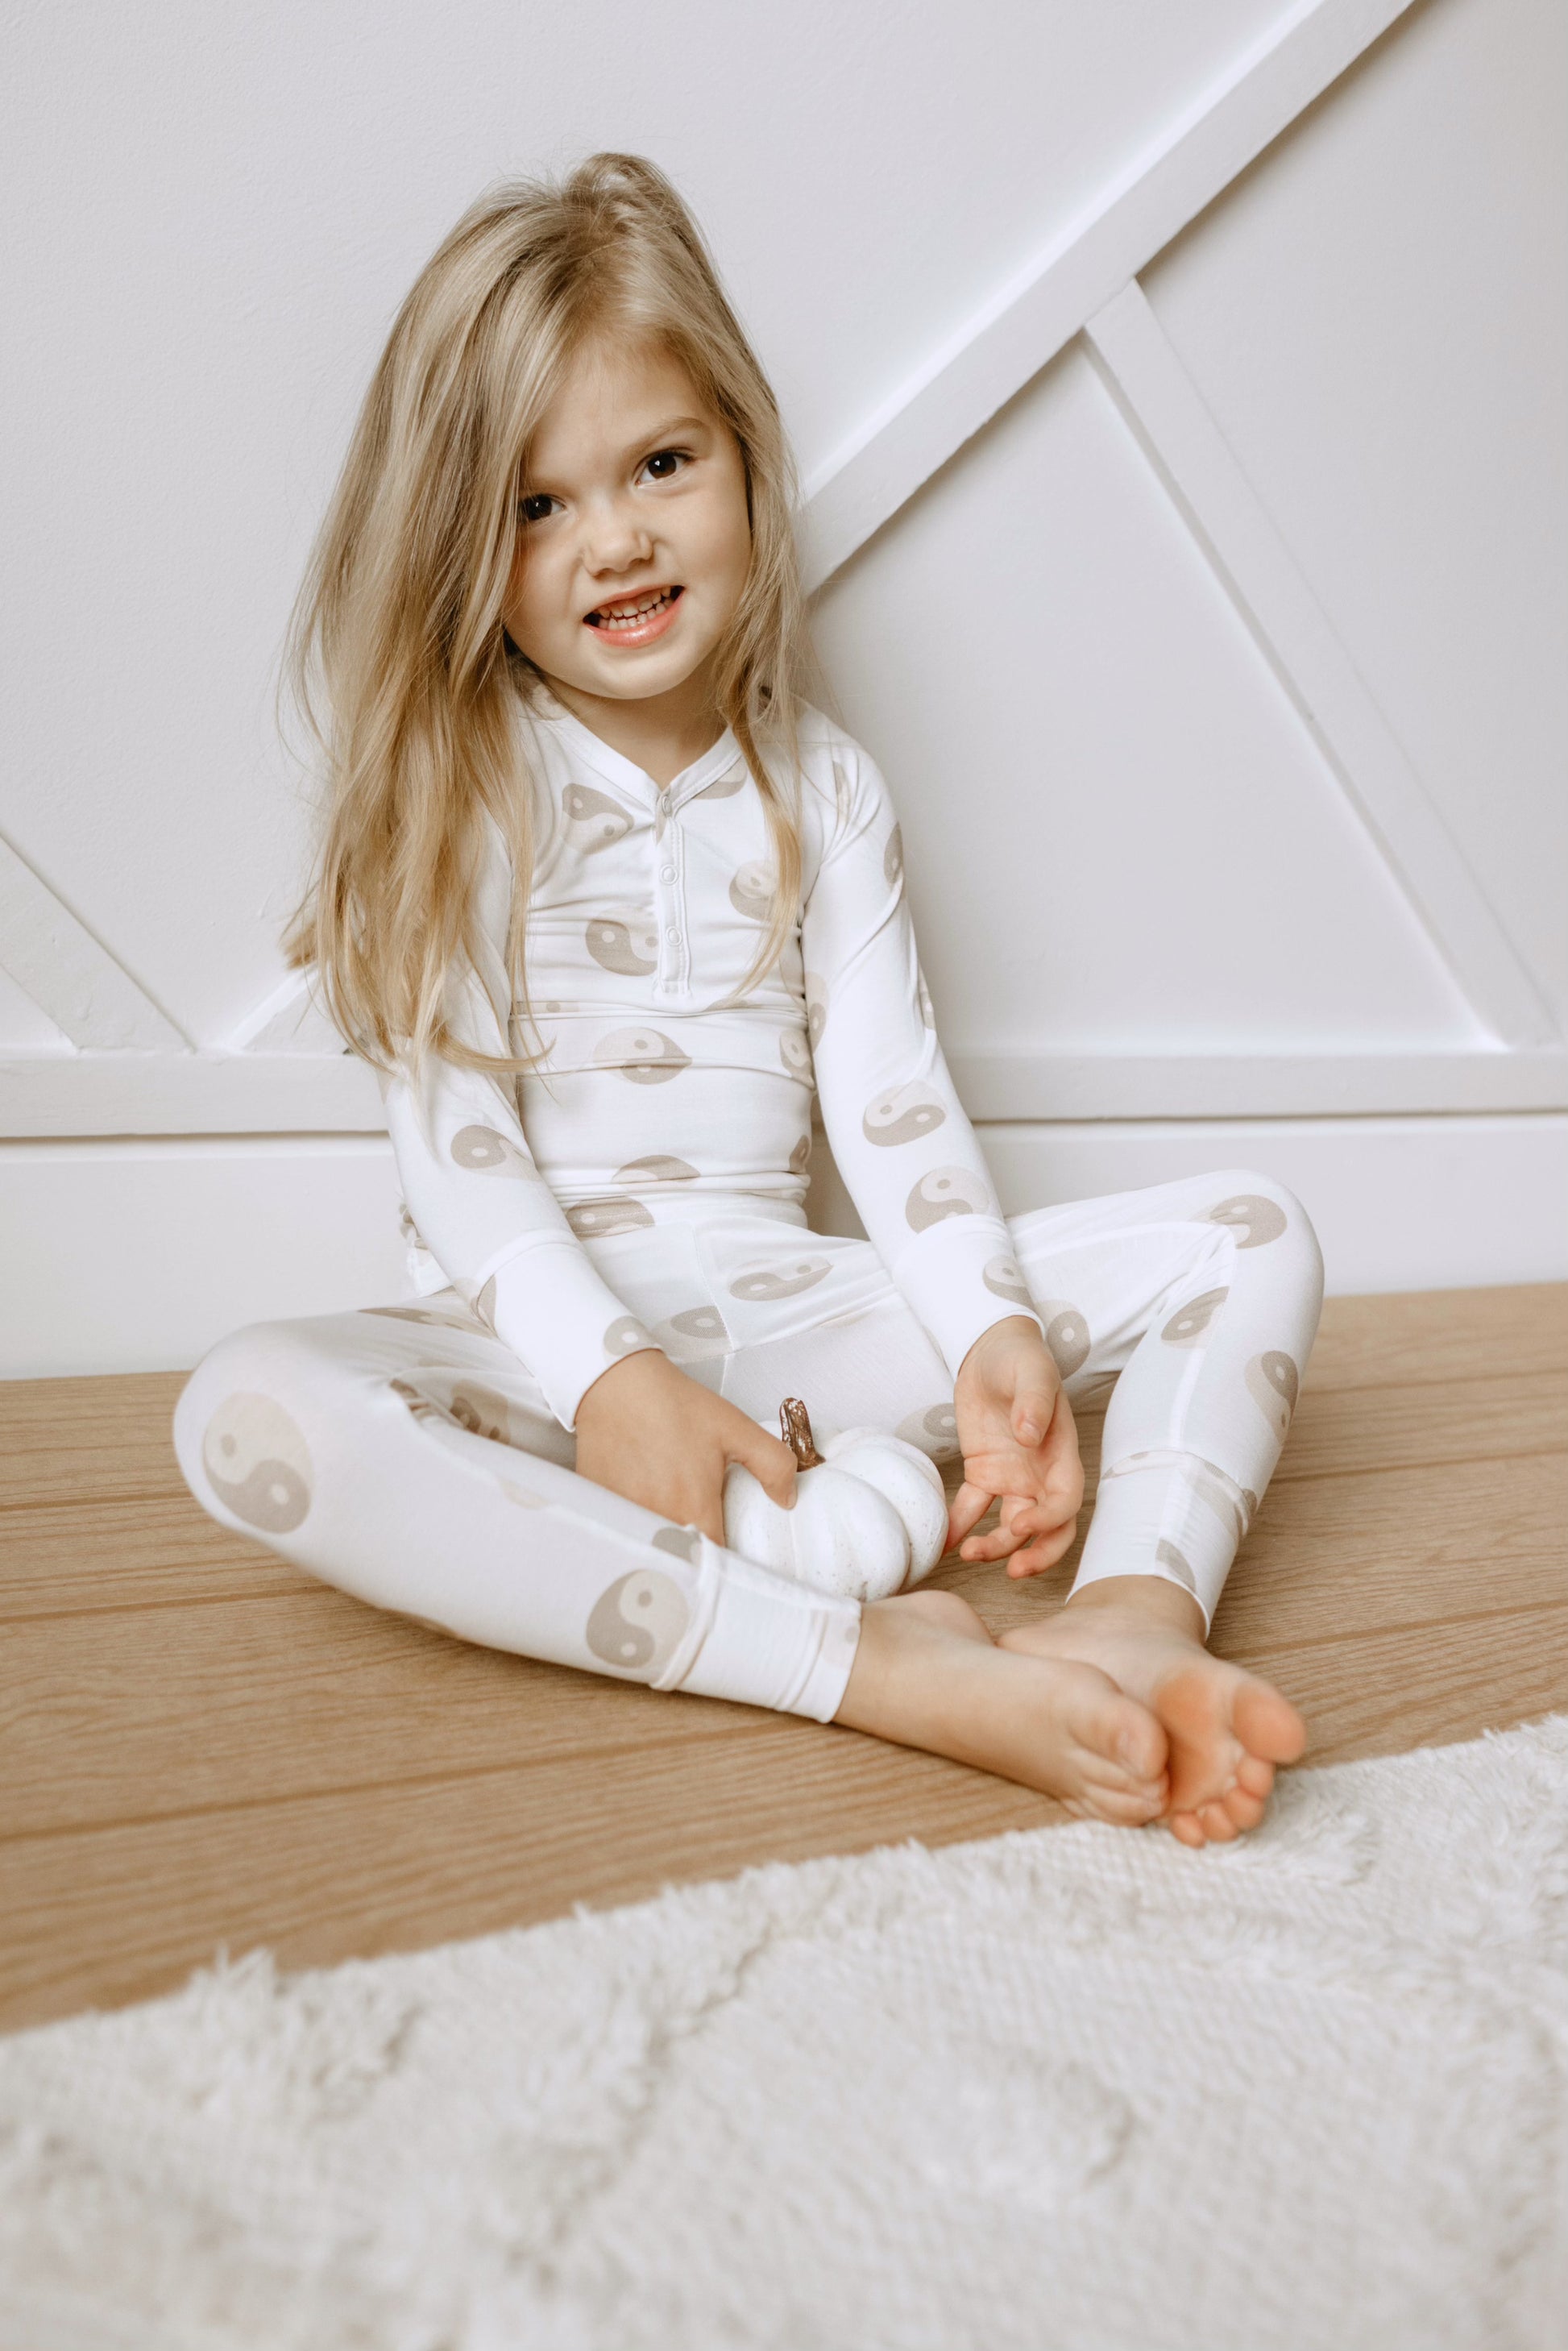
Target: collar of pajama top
[{"x": 653, "y": 1100}]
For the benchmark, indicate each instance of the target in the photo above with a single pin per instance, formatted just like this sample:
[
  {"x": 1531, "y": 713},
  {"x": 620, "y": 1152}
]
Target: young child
[{"x": 600, "y": 895}]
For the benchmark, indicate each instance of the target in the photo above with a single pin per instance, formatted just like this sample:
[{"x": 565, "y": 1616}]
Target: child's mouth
[{"x": 636, "y": 620}]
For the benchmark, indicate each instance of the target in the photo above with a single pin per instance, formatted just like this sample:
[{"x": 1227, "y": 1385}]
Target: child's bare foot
[
  {"x": 928, "y": 1674},
  {"x": 1227, "y": 1728}
]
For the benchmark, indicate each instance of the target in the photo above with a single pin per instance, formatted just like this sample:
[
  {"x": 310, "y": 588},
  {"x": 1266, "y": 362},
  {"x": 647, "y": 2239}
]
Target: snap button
[{"x": 667, "y": 872}]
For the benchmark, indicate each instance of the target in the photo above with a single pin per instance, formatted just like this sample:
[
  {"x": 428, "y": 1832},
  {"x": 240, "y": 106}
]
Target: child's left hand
[{"x": 1019, "y": 1442}]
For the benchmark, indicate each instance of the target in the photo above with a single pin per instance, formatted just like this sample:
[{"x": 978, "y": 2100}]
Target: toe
[
  {"x": 1245, "y": 1810},
  {"x": 1139, "y": 1744},
  {"x": 1126, "y": 1808},
  {"x": 1267, "y": 1723},
  {"x": 1216, "y": 1823},
  {"x": 1187, "y": 1828},
  {"x": 1254, "y": 1776}
]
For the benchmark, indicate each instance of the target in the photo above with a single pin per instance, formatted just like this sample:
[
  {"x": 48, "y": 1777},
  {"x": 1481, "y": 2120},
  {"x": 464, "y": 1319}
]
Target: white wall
[{"x": 1229, "y": 766}]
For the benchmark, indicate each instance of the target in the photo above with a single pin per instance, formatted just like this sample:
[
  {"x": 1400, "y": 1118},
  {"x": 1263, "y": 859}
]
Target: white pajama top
[{"x": 653, "y": 1102}]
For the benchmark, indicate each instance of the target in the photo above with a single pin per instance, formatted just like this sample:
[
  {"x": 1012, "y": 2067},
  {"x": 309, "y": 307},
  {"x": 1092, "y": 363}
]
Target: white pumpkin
[{"x": 868, "y": 1521}]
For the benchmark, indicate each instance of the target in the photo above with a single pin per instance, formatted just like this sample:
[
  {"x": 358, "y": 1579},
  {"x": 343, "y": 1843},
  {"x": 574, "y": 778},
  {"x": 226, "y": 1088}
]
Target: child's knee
[
  {"x": 1267, "y": 1216},
  {"x": 240, "y": 1423}
]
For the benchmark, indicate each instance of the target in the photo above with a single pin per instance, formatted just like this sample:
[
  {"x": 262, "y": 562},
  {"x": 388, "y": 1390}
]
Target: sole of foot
[
  {"x": 1228, "y": 1729},
  {"x": 927, "y": 1674}
]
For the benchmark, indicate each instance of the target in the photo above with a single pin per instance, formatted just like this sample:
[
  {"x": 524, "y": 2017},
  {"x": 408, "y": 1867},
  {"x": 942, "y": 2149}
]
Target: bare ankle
[{"x": 1150, "y": 1600}]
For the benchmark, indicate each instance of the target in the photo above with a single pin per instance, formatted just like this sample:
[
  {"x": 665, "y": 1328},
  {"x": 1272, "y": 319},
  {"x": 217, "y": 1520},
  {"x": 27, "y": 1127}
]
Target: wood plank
[
  {"x": 59, "y": 1559},
  {"x": 62, "y": 1440},
  {"x": 1419, "y": 1335},
  {"x": 1383, "y": 1693},
  {"x": 297, "y": 1693},
  {"x": 1339, "y": 1431},
  {"x": 115, "y": 1915}
]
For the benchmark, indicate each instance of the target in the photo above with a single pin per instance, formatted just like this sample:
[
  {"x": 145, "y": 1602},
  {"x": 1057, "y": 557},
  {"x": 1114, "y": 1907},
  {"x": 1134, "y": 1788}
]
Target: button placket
[{"x": 669, "y": 898}]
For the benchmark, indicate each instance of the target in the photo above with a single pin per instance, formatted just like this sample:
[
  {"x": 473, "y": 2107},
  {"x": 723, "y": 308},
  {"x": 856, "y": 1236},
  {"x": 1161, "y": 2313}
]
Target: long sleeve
[
  {"x": 901, "y": 1138},
  {"x": 482, "y": 1207}
]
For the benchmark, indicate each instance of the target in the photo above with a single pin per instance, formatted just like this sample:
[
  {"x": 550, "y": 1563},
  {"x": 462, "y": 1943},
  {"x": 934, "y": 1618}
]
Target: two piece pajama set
[{"x": 644, "y": 1186}]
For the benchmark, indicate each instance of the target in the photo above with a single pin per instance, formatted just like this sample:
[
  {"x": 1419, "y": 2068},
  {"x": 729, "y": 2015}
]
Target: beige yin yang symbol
[
  {"x": 903, "y": 1114},
  {"x": 794, "y": 1052},
  {"x": 816, "y": 1007},
  {"x": 630, "y": 948},
  {"x": 481, "y": 1411},
  {"x": 800, "y": 1155},
  {"x": 893, "y": 858},
  {"x": 765, "y": 1282},
  {"x": 1274, "y": 1383},
  {"x": 751, "y": 892},
  {"x": 646, "y": 1056},
  {"x": 1176, "y": 1566},
  {"x": 946, "y": 1192},
  {"x": 593, "y": 820},
  {"x": 935, "y": 1430},
  {"x": 927, "y": 1009},
  {"x": 1004, "y": 1275},
  {"x": 635, "y": 1626},
  {"x": 681, "y": 1543},
  {"x": 1066, "y": 1335},
  {"x": 724, "y": 787},
  {"x": 655, "y": 1167},
  {"x": 485, "y": 1152},
  {"x": 625, "y": 1334},
  {"x": 258, "y": 1463},
  {"x": 1255, "y": 1220},
  {"x": 592, "y": 1219},
  {"x": 703, "y": 1326},
  {"x": 1188, "y": 1326}
]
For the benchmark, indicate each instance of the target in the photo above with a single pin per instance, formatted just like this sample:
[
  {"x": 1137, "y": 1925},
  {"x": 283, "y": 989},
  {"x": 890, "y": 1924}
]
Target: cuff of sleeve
[
  {"x": 547, "y": 1302},
  {"x": 958, "y": 1278}
]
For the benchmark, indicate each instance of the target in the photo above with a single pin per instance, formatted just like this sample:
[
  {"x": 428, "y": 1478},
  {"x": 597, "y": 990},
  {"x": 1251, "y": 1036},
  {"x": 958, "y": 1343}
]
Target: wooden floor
[{"x": 200, "y": 1747}]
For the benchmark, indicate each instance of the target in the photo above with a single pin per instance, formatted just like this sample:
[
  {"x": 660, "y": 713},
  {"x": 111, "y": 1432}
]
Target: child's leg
[
  {"x": 407, "y": 1456},
  {"x": 1204, "y": 1296}
]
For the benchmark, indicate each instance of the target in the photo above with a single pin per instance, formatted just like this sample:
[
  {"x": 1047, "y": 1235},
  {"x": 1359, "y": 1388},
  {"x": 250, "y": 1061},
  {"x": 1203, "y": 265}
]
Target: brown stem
[{"x": 796, "y": 1423}]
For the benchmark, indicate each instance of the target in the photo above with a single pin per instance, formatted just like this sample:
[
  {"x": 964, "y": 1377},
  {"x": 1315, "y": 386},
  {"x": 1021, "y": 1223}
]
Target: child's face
[{"x": 634, "y": 541}]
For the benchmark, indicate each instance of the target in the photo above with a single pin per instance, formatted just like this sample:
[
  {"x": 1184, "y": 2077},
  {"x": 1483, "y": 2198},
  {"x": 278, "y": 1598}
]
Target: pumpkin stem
[{"x": 796, "y": 1423}]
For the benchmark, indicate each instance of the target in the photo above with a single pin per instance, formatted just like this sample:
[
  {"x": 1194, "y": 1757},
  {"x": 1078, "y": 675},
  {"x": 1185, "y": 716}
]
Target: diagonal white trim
[
  {"x": 43, "y": 1094},
  {"x": 50, "y": 953},
  {"x": 287, "y": 1020},
  {"x": 997, "y": 351},
  {"x": 1220, "y": 506}
]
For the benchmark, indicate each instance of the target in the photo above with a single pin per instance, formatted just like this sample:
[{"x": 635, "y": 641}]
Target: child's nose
[{"x": 615, "y": 538}]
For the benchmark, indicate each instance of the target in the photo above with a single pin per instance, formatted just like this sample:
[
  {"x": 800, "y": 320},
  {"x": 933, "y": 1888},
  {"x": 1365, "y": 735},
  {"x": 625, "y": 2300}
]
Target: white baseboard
[{"x": 138, "y": 1255}]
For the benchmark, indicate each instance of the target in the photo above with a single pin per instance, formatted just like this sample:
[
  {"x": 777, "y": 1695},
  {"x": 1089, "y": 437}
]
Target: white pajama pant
[{"x": 405, "y": 1455}]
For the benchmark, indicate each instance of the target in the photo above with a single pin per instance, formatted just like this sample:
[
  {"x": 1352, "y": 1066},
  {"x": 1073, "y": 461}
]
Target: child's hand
[
  {"x": 649, "y": 1432},
  {"x": 1015, "y": 1427}
]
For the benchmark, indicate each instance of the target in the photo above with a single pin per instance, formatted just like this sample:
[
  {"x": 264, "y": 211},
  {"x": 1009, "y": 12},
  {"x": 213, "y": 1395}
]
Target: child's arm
[
  {"x": 482, "y": 1207},
  {"x": 913, "y": 1166},
  {"x": 644, "y": 1428}
]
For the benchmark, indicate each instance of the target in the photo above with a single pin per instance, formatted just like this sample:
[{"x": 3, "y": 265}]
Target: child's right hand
[{"x": 648, "y": 1431}]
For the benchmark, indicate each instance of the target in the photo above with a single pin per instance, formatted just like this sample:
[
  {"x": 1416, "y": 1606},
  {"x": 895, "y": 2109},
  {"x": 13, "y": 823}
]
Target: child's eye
[
  {"x": 536, "y": 506},
  {"x": 665, "y": 464}
]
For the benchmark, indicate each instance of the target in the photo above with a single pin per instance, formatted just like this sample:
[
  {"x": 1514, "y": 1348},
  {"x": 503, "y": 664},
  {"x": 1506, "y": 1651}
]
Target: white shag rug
[{"x": 1075, "y": 2089}]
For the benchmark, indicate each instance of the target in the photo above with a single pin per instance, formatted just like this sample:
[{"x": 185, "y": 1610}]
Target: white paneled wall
[{"x": 1180, "y": 392}]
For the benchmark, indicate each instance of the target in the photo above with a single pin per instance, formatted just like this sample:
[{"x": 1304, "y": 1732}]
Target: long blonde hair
[{"x": 398, "y": 654}]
